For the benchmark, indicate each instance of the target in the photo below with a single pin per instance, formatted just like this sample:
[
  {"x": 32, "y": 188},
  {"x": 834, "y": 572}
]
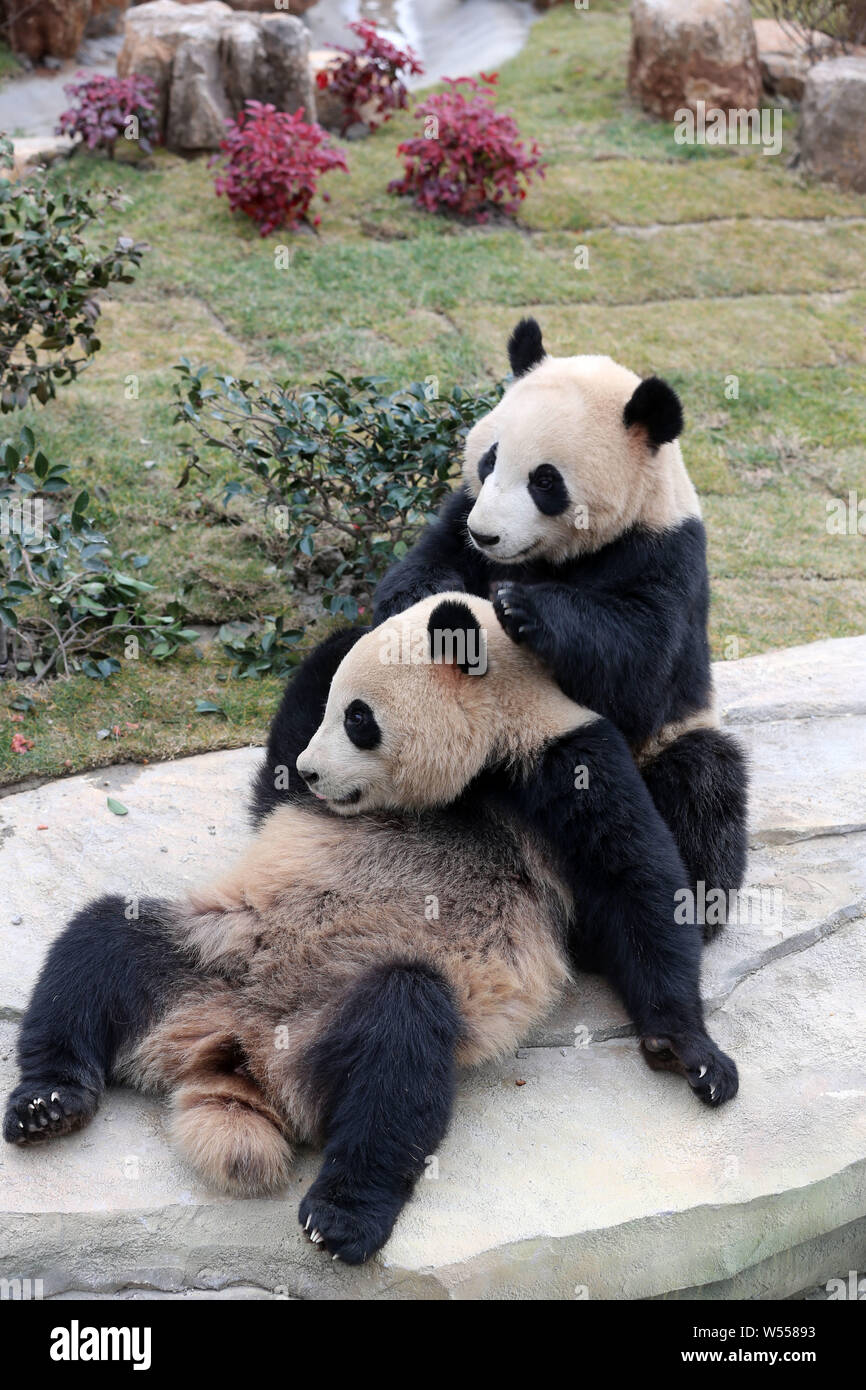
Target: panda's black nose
[
  {"x": 308, "y": 775},
  {"x": 482, "y": 540}
]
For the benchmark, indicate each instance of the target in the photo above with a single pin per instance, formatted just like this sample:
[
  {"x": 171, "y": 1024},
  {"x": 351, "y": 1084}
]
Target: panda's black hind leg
[
  {"x": 105, "y": 977},
  {"x": 700, "y": 788},
  {"x": 587, "y": 801},
  {"x": 386, "y": 1070}
]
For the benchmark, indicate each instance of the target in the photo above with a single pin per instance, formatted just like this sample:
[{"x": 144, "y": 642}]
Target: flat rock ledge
[{"x": 571, "y": 1170}]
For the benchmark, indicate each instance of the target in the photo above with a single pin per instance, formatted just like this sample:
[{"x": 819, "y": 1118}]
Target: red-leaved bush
[
  {"x": 273, "y": 161},
  {"x": 107, "y": 108},
  {"x": 470, "y": 159},
  {"x": 367, "y": 80}
]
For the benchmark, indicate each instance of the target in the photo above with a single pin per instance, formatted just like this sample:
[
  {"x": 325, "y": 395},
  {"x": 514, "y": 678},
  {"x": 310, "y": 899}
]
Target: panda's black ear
[
  {"x": 525, "y": 348},
  {"x": 457, "y": 638},
  {"x": 655, "y": 406}
]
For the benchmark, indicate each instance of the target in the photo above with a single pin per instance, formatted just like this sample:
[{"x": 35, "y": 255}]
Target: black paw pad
[
  {"x": 350, "y": 1225},
  {"x": 45, "y": 1110},
  {"x": 516, "y": 611},
  {"x": 711, "y": 1074}
]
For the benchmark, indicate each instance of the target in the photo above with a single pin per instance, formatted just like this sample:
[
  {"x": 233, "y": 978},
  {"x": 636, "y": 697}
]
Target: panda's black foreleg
[
  {"x": 586, "y": 798},
  {"x": 104, "y": 979},
  {"x": 386, "y": 1071},
  {"x": 700, "y": 787},
  {"x": 297, "y": 719}
]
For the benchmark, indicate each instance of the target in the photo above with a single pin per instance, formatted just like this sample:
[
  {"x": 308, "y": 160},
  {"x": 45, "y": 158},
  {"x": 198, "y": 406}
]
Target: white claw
[
  {"x": 55, "y": 1095},
  {"x": 20, "y": 1124},
  {"x": 702, "y": 1072},
  {"x": 335, "y": 1257},
  {"x": 31, "y": 1105},
  {"x": 712, "y": 1093},
  {"x": 309, "y": 1219}
]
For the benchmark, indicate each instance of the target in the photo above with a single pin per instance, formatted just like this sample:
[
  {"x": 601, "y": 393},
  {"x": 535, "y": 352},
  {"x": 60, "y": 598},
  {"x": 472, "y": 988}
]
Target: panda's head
[
  {"x": 577, "y": 451},
  {"x": 419, "y": 706}
]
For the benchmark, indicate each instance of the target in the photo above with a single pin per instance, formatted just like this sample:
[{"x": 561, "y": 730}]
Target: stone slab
[{"x": 594, "y": 1177}]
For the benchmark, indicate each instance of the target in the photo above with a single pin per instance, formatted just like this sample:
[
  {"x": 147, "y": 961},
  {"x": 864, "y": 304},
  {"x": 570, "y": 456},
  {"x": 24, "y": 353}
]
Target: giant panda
[
  {"x": 577, "y": 517},
  {"x": 403, "y": 913}
]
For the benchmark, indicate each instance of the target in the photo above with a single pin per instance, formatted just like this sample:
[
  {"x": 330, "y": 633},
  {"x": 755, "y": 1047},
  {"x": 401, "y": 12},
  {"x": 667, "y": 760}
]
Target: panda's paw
[
  {"x": 351, "y": 1224},
  {"x": 517, "y": 611},
  {"x": 43, "y": 1110},
  {"x": 711, "y": 1074}
]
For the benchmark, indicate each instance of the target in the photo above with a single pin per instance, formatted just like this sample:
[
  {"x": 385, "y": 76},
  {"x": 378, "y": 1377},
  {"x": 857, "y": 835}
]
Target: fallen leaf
[
  {"x": 208, "y": 707},
  {"x": 116, "y": 806}
]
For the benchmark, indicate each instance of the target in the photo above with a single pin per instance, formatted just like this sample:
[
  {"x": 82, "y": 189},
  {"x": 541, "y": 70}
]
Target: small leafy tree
[
  {"x": 345, "y": 473},
  {"x": 368, "y": 80},
  {"x": 470, "y": 161},
  {"x": 50, "y": 278}
]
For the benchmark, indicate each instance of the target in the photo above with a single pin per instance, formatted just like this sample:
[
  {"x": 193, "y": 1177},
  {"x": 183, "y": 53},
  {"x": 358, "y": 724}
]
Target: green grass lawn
[{"x": 703, "y": 265}]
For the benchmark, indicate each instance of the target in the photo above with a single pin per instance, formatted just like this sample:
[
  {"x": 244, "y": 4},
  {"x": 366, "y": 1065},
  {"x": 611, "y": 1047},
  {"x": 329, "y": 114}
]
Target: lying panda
[
  {"x": 369, "y": 941},
  {"x": 577, "y": 517}
]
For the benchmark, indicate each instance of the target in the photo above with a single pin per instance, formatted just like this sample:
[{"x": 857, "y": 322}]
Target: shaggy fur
[
  {"x": 324, "y": 990},
  {"x": 577, "y": 518}
]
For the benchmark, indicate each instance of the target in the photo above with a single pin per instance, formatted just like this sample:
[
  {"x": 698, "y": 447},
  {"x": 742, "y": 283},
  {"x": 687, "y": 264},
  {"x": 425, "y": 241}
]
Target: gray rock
[
  {"x": 833, "y": 121},
  {"x": 207, "y": 61},
  {"x": 786, "y": 52},
  {"x": 595, "y": 1177}
]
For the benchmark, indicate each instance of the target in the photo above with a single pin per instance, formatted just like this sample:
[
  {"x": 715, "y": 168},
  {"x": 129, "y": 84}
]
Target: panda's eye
[
  {"x": 487, "y": 462},
  {"x": 548, "y": 490},
  {"x": 359, "y": 721}
]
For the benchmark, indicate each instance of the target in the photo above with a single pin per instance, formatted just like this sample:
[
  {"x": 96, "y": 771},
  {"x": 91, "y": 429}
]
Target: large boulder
[
  {"x": 47, "y": 28},
  {"x": 782, "y": 53},
  {"x": 206, "y": 61},
  {"x": 570, "y": 1169},
  {"x": 685, "y": 51},
  {"x": 833, "y": 122}
]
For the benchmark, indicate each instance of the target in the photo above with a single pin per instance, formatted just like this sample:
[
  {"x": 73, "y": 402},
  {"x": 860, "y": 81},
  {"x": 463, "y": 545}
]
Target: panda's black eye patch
[
  {"x": 547, "y": 489},
  {"x": 487, "y": 462},
  {"x": 359, "y": 721}
]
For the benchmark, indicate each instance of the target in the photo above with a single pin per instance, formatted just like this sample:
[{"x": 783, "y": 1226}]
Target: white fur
[
  {"x": 439, "y": 725},
  {"x": 568, "y": 411}
]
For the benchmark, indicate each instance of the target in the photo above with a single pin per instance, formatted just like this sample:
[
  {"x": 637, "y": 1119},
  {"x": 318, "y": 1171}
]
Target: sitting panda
[
  {"x": 577, "y": 517},
  {"x": 403, "y": 912}
]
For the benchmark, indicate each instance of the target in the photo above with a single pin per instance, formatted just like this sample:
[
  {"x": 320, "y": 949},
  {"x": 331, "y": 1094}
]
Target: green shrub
[
  {"x": 344, "y": 474},
  {"x": 49, "y": 282},
  {"x": 65, "y": 605}
]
